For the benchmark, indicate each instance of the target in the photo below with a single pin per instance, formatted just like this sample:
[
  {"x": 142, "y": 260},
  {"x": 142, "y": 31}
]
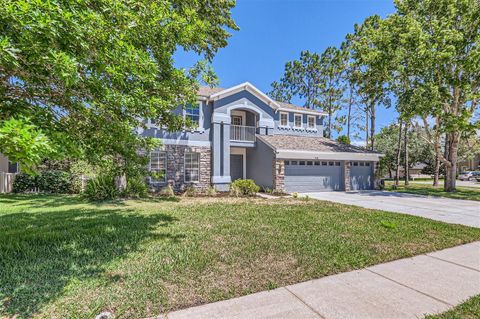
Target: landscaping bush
[
  {"x": 190, "y": 191},
  {"x": 136, "y": 187},
  {"x": 57, "y": 182},
  {"x": 244, "y": 187},
  {"x": 24, "y": 183},
  {"x": 211, "y": 191},
  {"x": 101, "y": 187}
]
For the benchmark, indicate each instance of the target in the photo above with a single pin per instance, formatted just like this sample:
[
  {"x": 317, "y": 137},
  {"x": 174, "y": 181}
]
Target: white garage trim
[{"x": 347, "y": 156}]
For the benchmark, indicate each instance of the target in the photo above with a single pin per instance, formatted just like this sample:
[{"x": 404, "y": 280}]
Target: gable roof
[
  {"x": 292, "y": 146},
  {"x": 216, "y": 93}
]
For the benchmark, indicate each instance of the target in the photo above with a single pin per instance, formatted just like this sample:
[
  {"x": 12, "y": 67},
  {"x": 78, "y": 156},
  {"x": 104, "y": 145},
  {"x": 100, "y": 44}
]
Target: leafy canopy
[{"x": 86, "y": 72}]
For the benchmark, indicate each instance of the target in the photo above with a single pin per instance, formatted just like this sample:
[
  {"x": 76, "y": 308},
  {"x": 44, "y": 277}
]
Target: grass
[
  {"x": 467, "y": 310},
  {"x": 470, "y": 193},
  {"x": 61, "y": 257}
]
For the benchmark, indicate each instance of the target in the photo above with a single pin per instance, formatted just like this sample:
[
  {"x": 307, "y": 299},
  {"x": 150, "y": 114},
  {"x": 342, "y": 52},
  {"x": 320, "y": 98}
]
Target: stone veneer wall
[
  {"x": 278, "y": 174},
  {"x": 346, "y": 175},
  {"x": 175, "y": 166}
]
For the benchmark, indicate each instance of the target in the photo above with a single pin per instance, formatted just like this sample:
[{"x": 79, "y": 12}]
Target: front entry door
[{"x": 236, "y": 166}]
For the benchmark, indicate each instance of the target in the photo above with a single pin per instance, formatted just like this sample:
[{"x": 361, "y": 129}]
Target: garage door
[
  {"x": 313, "y": 176},
  {"x": 361, "y": 176}
]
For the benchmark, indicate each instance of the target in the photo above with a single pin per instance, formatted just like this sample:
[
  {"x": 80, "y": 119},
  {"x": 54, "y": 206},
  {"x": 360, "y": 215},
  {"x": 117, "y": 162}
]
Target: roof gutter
[{"x": 313, "y": 155}]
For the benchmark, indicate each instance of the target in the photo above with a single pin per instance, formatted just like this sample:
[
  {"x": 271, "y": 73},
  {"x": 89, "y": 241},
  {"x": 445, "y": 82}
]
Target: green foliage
[
  {"x": 211, "y": 191},
  {"x": 136, "y": 187},
  {"x": 57, "y": 182},
  {"x": 344, "y": 139},
  {"x": 388, "y": 224},
  {"x": 86, "y": 73},
  {"x": 24, "y": 143},
  {"x": 101, "y": 187},
  {"x": 190, "y": 191},
  {"x": 244, "y": 187},
  {"x": 24, "y": 183},
  {"x": 77, "y": 170}
]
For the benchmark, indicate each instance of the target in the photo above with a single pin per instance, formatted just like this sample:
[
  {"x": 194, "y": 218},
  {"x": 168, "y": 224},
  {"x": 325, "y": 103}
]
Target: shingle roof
[
  {"x": 308, "y": 143},
  {"x": 296, "y": 107},
  {"x": 206, "y": 91}
]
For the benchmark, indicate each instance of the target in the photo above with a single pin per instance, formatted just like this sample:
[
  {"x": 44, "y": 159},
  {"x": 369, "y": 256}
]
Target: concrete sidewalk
[{"x": 406, "y": 288}]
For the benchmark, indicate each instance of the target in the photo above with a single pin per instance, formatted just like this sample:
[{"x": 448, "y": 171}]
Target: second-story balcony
[{"x": 242, "y": 133}]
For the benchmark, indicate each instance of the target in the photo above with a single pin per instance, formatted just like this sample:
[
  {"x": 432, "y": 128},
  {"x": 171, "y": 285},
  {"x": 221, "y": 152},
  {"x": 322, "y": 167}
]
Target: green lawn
[
  {"x": 420, "y": 188},
  {"x": 467, "y": 310},
  {"x": 61, "y": 257}
]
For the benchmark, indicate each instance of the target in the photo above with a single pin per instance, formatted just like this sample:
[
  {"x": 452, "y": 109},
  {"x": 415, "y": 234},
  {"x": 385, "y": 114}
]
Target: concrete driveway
[{"x": 453, "y": 211}]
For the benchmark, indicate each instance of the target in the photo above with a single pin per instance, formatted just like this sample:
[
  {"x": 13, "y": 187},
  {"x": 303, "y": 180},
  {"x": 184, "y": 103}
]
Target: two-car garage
[
  {"x": 319, "y": 176},
  {"x": 313, "y": 176},
  {"x": 317, "y": 164}
]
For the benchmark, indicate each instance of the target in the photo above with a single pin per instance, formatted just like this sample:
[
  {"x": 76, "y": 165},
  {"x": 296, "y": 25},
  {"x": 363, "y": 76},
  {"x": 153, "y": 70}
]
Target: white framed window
[
  {"x": 311, "y": 121},
  {"x": 194, "y": 113},
  {"x": 192, "y": 168},
  {"x": 158, "y": 164},
  {"x": 236, "y": 120},
  {"x": 298, "y": 120},
  {"x": 283, "y": 119}
]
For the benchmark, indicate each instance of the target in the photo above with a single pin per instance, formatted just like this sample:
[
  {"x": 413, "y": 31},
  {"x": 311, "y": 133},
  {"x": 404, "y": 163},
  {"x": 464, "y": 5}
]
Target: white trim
[
  {"x": 243, "y": 152},
  {"x": 295, "y": 120},
  {"x": 306, "y": 111},
  {"x": 307, "y": 155},
  {"x": 247, "y": 87},
  {"x": 168, "y": 141},
  {"x": 280, "y": 118},
  {"x": 221, "y": 179}
]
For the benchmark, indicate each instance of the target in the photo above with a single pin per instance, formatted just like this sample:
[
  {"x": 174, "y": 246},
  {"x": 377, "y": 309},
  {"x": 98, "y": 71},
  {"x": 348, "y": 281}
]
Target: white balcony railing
[{"x": 242, "y": 133}]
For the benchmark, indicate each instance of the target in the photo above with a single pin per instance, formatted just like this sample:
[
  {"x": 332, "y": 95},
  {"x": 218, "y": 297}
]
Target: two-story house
[{"x": 242, "y": 133}]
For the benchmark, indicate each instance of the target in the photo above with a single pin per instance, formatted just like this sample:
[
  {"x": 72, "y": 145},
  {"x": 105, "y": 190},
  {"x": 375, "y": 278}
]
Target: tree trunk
[
  {"x": 436, "y": 173},
  {"x": 399, "y": 152},
  {"x": 366, "y": 128},
  {"x": 329, "y": 131},
  {"x": 451, "y": 152},
  {"x": 349, "y": 115},
  {"x": 372, "y": 125},
  {"x": 406, "y": 164}
]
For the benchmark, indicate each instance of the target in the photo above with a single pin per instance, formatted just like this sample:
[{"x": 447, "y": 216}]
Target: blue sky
[{"x": 273, "y": 32}]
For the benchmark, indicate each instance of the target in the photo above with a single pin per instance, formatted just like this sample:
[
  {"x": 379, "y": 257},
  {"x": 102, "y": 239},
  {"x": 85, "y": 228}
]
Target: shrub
[
  {"x": 190, "y": 191},
  {"x": 211, "y": 191},
  {"x": 101, "y": 187},
  {"x": 167, "y": 191},
  {"x": 24, "y": 183},
  {"x": 136, "y": 187},
  {"x": 245, "y": 187},
  {"x": 295, "y": 195},
  {"x": 58, "y": 182}
]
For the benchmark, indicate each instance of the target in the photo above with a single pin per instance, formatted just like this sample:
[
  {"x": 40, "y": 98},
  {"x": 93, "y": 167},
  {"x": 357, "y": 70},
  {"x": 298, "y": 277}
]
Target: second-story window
[
  {"x": 283, "y": 119},
  {"x": 298, "y": 120},
  {"x": 311, "y": 122},
  {"x": 192, "y": 112}
]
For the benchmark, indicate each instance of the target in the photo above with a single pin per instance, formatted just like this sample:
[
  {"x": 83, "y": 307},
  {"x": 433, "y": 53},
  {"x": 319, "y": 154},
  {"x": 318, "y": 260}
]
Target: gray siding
[{"x": 260, "y": 164}]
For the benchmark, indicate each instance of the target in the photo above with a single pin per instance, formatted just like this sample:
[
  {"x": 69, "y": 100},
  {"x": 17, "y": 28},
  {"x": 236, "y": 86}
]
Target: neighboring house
[
  {"x": 415, "y": 171},
  {"x": 7, "y": 174},
  {"x": 469, "y": 165},
  {"x": 243, "y": 133},
  {"x": 6, "y": 166}
]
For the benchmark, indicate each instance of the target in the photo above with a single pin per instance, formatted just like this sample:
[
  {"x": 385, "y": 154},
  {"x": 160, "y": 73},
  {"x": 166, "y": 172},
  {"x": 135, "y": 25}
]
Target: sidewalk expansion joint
[
  {"x": 421, "y": 292},
  {"x": 453, "y": 263},
  {"x": 306, "y": 304}
]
